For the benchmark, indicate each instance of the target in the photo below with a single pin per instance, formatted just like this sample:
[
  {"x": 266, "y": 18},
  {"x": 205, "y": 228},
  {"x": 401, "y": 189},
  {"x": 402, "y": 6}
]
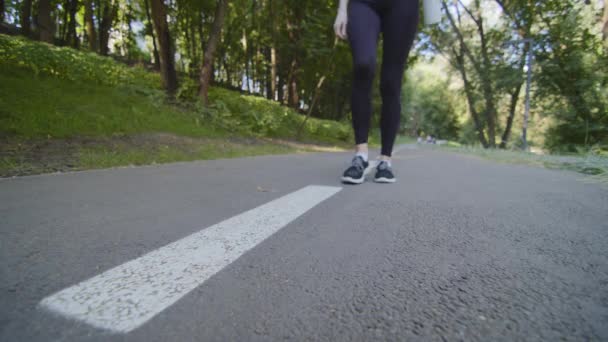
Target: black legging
[{"x": 397, "y": 20}]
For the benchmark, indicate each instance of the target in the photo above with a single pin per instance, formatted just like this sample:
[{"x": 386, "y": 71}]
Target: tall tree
[
  {"x": 166, "y": 55},
  {"x": 150, "y": 29},
  {"x": 71, "y": 37},
  {"x": 25, "y": 17},
  {"x": 273, "y": 52},
  {"x": 109, "y": 10},
  {"x": 605, "y": 24},
  {"x": 521, "y": 17},
  {"x": 45, "y": 21},
  {"x": 210, "y": 48},
  {"x": 294, "y": 17},
  {"x": 572, "y": 81},
  {"x": 90, "y": 25}
]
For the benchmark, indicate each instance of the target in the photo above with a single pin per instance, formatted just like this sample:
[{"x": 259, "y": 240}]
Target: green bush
[
  {"x": 261, "y": 117},
  {"x": 234, "y": 112},
  {"x": 70, "y": 64}
]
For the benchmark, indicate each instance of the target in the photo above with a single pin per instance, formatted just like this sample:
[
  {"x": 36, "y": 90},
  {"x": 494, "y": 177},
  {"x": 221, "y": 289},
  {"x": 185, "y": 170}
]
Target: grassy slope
[
  {"x": 44, "y": 106},
  {"x": 54, "y": 117},
  {"x": 593, "y": 164}
]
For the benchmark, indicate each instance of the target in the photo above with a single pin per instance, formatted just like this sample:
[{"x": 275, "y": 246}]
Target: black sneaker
[
  {"x": 355, "y": 174},
  {"x": 384, "y": 174}
]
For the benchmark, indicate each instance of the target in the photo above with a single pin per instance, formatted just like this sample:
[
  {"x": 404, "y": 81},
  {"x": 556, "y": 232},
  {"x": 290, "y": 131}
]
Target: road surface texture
[{"x": 459, "y": 248}]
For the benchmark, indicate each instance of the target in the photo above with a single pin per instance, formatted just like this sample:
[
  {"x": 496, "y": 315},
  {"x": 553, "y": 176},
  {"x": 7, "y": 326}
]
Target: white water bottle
[{"x": 432, "y": 11}]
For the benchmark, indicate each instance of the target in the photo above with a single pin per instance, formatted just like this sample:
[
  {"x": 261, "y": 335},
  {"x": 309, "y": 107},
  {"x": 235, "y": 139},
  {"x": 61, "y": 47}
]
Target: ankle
[
  {"x": 362, "y": 151},
  {"x": 361, "y": 148},
  {"x": 386, "y": 159}
]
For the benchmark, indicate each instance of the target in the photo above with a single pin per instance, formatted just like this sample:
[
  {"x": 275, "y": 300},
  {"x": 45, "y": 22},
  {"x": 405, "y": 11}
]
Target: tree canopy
[{"x": 287, "y": 52}]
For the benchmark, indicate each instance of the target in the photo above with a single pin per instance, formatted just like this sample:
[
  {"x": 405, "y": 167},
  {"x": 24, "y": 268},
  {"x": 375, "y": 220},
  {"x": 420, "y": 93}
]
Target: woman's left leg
[{"x": 399, "y": 24}]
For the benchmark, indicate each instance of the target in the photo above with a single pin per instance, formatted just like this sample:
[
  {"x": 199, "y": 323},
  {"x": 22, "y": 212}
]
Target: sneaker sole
[
  {"x": 385, "y": 180},
  {"x": 350, "y": 180}
]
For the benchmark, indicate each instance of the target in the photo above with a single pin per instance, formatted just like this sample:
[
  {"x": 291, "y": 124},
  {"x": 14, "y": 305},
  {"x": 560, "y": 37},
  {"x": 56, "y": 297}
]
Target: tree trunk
[
  {"x": 273, "y": 72},
  {"x": 2, "y": 11},
  {"x": 273, "y": 53},
  {"x": 268, "y": 74},
  {"x": 211, "y": 47},
  {"x": 247, "y": 79},
  {"x": 45, "y": 22},
  {"x": 167, "y": 59},
  {"x": 293, "y": 98},
  {"x": 513, "y": 105},
  {"x": 155, "y": 48},
  {"x": 107, "y": 18},
  {"x": 605, "y": 24},
  {"x": 71, "y": 37},
  {"x": 294, "y": 27},
  {"x": 90, "y": 25},
  {"x": 26, "y": 13},
  {"x": 228, "y": 73},
  {"x": 128, "y": 17},
  {"x": 63, "y": 32},
  {"x": 194, "y": 61},
  {"x": 280, "y": 86},
  {"x": 470, "y": 97},
  {"x": 481, "y": 68},
  {"x": 486, "y": 82}
]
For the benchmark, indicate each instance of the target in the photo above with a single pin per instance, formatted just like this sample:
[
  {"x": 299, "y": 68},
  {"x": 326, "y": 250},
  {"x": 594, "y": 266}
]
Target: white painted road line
[{"x": 127, "y": 296}]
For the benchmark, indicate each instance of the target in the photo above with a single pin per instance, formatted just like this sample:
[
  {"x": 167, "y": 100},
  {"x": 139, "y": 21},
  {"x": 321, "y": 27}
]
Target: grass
[
  {"x": 104, "y": 157},
  {"x": 45, "y": 106},
  {"x": 404, "y": 139},
  {"x": 63, "y": 109},
  {"x": 595, "y": 165},
  {"x": 49, "y": 124}
]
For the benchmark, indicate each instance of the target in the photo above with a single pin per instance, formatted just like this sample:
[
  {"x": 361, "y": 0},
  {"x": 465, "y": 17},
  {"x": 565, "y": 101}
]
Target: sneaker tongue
[
  {"x": 382, "y": 166},
  {"x": 358, "y": 161}
]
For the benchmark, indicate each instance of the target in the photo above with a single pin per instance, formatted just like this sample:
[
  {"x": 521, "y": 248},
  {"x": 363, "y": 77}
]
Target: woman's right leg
[{"x": 363, "y": 29}]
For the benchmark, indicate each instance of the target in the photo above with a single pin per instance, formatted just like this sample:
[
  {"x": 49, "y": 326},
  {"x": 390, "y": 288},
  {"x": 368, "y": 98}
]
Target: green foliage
[
  {"x": 593, "y": 163},
  {"x": 569, "y": 74},
  {"x": 429, "y": 106},
  {"x": 257, "y": 116},
  {"x": 572, "y": 82},
  {"x": 70, "y": 64},
  {"x": 63, "y": 102},
  {"x": 45, "y": 106}
]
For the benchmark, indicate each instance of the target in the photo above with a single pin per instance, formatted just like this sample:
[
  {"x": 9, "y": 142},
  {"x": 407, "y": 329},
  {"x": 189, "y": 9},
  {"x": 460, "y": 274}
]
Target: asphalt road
[{"x": 458, "y": 249}]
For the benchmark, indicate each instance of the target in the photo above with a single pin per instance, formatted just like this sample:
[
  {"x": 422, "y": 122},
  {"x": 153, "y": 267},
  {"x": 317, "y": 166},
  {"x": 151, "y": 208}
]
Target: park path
[{"x": 274, "y": 247}]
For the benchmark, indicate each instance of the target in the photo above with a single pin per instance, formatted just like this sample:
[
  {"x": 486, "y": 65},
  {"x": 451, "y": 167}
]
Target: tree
[
  {"x": 429, "y": 106},
  {"x": 108, "y": 9},
  {"x": 25, "y": 17},
  {"x": 572, "y": 83},
  {"x": 605, "y": 24},
  {"x": 211, "y": 47},
  {"x": 490, "y": 69},
  {"x": 150, "y": 29},
  {"x": 166, "y": 56},
  {"x": 70, "y": 37},
  {"x": 90, "y": 25},
  {"x": 45, "y": 22}
]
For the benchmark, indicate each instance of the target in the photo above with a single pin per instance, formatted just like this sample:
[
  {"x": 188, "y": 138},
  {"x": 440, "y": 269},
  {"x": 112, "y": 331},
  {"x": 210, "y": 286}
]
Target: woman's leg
[
  {"x": 399, "y": 23},
  {"x": 363, "y": 29}
]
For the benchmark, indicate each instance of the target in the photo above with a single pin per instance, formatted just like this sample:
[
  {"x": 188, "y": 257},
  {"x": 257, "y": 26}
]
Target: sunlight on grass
[
  {"x": 592, "y": 164},
  {"x": 104, "y": 157}
]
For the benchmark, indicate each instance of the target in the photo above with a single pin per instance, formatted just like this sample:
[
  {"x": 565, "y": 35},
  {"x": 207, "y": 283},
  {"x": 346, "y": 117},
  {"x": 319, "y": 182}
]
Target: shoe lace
[
  {"x": 383, "y": 166},
  {"x": 358, "y": 163}
]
